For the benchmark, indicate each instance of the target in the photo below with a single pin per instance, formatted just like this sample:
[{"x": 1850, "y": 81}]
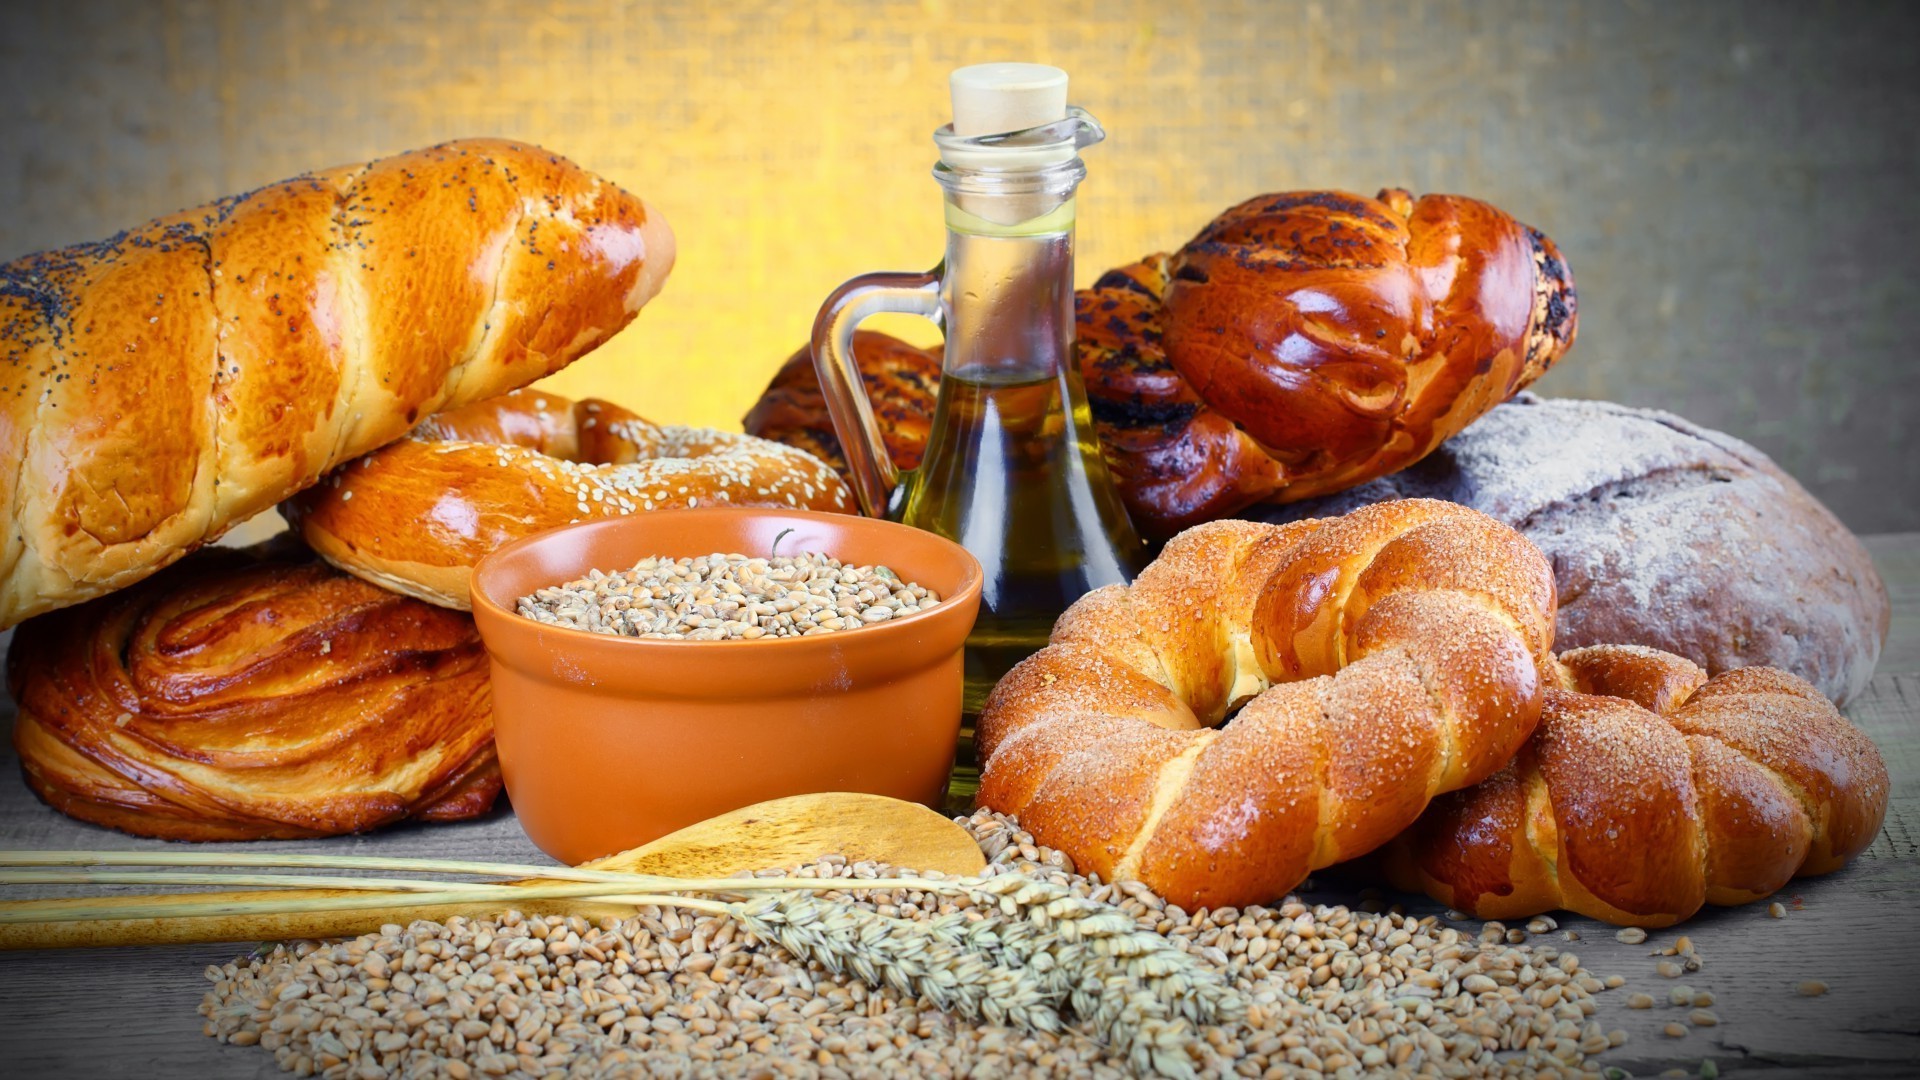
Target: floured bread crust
[{"x": 1661, "y": 533}]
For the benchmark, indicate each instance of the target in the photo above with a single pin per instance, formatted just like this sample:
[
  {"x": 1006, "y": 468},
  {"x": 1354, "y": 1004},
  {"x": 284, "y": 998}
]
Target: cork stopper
[{"x": 992, "y": 99}]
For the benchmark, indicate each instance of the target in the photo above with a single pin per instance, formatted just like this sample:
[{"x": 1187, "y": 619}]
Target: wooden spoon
[{"x": 782, "y": 832}]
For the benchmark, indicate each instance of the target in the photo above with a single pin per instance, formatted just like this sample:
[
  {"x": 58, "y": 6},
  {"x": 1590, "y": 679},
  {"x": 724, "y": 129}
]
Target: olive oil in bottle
[
  {"x": 1013, "y": 473},
  {"x": 1012, "y": 469}
]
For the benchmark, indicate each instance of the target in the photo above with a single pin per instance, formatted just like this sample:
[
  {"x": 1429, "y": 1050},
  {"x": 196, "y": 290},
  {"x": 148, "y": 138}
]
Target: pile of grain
[
  {"x": 1333, "y": 991},
  {"x": 728, "y": 597}
]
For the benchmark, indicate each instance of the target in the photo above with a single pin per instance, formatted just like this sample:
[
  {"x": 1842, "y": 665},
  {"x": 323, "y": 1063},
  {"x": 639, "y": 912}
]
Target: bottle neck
[{"x": 1006, "y": 287}]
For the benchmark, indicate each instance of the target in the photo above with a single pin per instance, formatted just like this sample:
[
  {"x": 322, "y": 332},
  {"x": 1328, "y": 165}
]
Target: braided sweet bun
[
  {"x": 1344, "y": 338},
  {"x": 243, "y": 696},
  {"x": 1302, "y": 343},
  {"x": 167, "y": 383},
  {"x": 901, "y": 381},
  {"x": 1649, "y": 790},
  {"x": 416, "y": 516},
  {"x": 1374, "y": 661}
]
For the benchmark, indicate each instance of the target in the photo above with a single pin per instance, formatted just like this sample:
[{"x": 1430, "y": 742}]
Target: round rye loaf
[{"x": 1661, "y": 533}]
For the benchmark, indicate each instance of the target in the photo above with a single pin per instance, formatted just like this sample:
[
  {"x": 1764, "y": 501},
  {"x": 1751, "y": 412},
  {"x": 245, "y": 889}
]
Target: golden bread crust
[
  {"x": 236, "y": 697},
  {"x": 166, "y": 383},
  {"x": 1374, "y": 661},
  {"x": 1651, "y": 790},
  {"x": 1302, "y": 343},
  {"x": 417, "y": 516},
  {"x": 900, "y": 381}
]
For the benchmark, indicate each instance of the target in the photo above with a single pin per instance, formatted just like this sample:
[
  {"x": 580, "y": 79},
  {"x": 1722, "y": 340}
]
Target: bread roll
[
  {"x": 1650, "y": 790},
  {"x": 168, "y": 382},
  {"x": 1302, "y": 343},
  {"x": 246, "y": 695},
  {"x": 1661, "y": 533},
  {"x": 417, "y": 516},
  {"x": 1263, "y": 701},
  {"x": 901, "y": 383}
]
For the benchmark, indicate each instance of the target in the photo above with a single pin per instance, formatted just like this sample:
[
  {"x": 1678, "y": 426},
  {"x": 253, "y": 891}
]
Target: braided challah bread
[
  {"x": 416, "y": 516},
  {"x": 1331, "y": 338},
  {"x": 169, "y": 382},
  {"x": 1374, "y": 661},
  {"x": 1302, "y": 343},
  {"x": 254, "y": 695},
  {"x": 1649, "y": 790},
  {"x": 901, "y": 381}
]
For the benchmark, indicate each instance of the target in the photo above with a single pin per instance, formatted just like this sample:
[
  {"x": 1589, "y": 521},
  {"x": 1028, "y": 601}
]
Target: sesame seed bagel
[
  {"x": 1649, "y": 790},
  {"x": 1266, "y": 700},
  {"x": 416, "y": 516}
]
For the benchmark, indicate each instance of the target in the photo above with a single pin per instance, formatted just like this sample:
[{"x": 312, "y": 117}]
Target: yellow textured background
[{"x": 1732, "y": 183}]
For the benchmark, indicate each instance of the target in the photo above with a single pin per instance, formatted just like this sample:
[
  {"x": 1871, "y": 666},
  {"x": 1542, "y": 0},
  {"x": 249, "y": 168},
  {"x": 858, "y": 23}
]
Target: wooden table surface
[{"x": 131, "y": 1012}]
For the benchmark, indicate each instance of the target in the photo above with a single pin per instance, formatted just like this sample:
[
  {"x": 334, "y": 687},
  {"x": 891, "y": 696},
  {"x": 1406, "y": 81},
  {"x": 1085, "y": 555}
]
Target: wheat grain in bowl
[{"x": 729, "y": 597}]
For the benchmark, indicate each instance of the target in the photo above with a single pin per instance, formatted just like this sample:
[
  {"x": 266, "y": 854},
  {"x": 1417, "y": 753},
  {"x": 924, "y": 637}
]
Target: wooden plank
[
  {"x": 1897, "y": 556},
  {"x": 132, "y": 1012}
]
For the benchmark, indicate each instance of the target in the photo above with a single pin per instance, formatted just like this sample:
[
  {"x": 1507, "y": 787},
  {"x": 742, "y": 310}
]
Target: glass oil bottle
[{"x": 1012, "y": 468}]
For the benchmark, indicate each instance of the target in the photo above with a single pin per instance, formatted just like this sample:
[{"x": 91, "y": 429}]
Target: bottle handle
[{"x": 868, "y": 464}]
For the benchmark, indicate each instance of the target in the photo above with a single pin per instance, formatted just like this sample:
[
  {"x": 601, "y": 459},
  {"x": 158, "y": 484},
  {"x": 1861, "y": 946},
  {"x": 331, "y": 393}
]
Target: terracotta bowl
[{"x": 608, "y": 742}]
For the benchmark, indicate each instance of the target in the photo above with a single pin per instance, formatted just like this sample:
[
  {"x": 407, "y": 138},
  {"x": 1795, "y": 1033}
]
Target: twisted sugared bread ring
[
  {"x": 1649, "y": 790},
  {"x": 1376, "y": 660},
  {"x": 237, "y": 697},
  {"x": 416, "y": 516}
]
